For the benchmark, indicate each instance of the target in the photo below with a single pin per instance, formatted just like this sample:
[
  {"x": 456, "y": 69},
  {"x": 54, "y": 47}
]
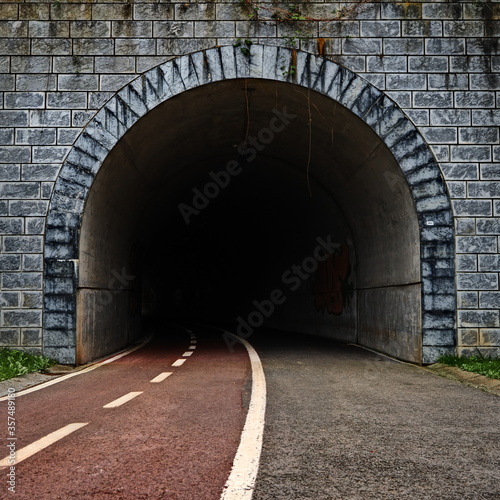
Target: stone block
[
  {"x": 488, "y": 81},
  {"x": 474, "y": 99},
  {"x": 465, "y": 226},
  {"x": 454, "y": 117},
  {"x": 153, "y": 11},
  {"x": 406, "y": 82},
  {"x": 467, "y": 300},
  {"x": 470, "y": 64},
  {"x": 21, "y": 318},
  {"x": 195, "y": 11},
  {"x": 26, "y": 208},
  {"x": 463, "y": 28},
  {"x": 70, "y": 11},
  {"x": 477, "y": 281},
  {"x": 10, "y": 262},
  {"x": 67, "y": 100},
  {"x": 386, "y": 64},
  {"x": 9, "y": 337},
  {"x": 443, "y": 135},
  {"x": 457, "y": 189},
  {"x": 476, "y": 244},
  {"x": 403, "y": 46},
  {"x": 432, "y": 99},
  {"x": 20, "y": 46},
  {"x": 33, "y": 262},
  {"x": 14, "y": 118},
  {"x": 35, "y": 225},
  {"x": 74, "y": 64},
  {"x": 383, "y": 29},
  {"x": 20, "y": 244},
  {"x": 49, "y": 29},
  {"x": 30, "y": 64},
  {"x": 489, "y": 336},
  {"x": 36, "y": 136},
  {"x": 459, "y": 171},
  {"x": 479, "y": 318},
  {"x": 51, "y": 46},
  {"x": 67, "y": 136},
  {"x": 422, "y": 28},
  {"x": 24, "y": 100},
  {"x": 362, "y": 46},
  {"x": 115, "y": 64},
  {"x": 31, "y": 337},
  {"x": 132, "y": 29},
  {"x": 77, "y": 82},
  {"x": 448, "y": 46},
  {"x": 468, "y": 336},
  {"x": 11, "y": 225},
  {"x": 486, "y": 117},
  {"x": 484, "y": 189},
  {"x": 134, "y": 46},
  {"x": 19, "y": 190},
  {"x": 471, "y": 154},
  {"x": 32, "y": 300},
  {"x": 110, "y": 12},
  {"x": 489, "y": 300},
  {"x": 9, "y": 300},
  {"x": 93, "y": 47},
  {"x": 446, "y": 81},
  {"x": 90, "y": 29},
  {"x": 44, "y": 154},
  {"x": 9, "y": 172},
  {"x": 441, "y": 11}
]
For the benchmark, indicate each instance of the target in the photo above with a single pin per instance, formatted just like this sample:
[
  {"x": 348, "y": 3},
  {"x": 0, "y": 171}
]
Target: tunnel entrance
[{"x": 246, "y": 199}]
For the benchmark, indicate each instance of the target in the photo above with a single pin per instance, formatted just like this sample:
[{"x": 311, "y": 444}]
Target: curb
[{"x": 475, "y": 380}]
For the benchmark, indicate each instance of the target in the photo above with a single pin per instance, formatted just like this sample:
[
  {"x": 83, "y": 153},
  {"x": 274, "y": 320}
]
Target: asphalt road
[
  {"x": 344, "y": 423},
  {"x": 341, "y": 423}
]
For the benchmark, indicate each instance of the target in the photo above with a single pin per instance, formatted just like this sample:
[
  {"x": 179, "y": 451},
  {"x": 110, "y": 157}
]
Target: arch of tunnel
[{"x": 224, "y": 187}]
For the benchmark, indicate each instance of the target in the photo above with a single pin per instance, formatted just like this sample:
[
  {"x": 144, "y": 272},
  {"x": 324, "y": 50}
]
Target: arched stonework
[{"x": 225, "y": 63}]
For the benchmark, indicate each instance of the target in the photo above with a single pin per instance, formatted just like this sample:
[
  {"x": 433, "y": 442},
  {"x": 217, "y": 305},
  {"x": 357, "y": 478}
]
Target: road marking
[
  {"x": 161, "y": 377},
  {"x": 194, "y": 342},
  {"x": 241, "y": 481},
  {"x": 192, "y": 347},
  {"x": 42, "y": 443},
  {"x": 122, "y": 400},
  {"x": 188, "y": 353},
  {"x": 79, "y": 372},
  {"x": 179, "y": 362}
]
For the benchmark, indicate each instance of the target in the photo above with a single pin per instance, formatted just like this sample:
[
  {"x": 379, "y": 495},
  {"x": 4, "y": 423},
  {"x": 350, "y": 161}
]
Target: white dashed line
[
  {"x": 122, "y": 400},
  {"x": 187, "y": 353},
  {"x": 192, "y": 347},
  {"x": 80, "y": 372},
  {"x": 42, "y": 443},
  {"x": 179, "y": 362},
  {"x": 241, "y": 481},
  {"x": 161, "y": 377}
]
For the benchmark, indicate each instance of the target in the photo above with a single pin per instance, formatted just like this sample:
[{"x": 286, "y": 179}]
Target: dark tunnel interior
[{"x": 246, "y": 193}]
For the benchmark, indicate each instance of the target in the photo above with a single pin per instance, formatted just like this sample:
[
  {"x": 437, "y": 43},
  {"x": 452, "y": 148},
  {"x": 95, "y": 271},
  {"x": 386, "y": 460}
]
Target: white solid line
[
  {"x": 179, "y": 362},
  {"x": 122, "y": 400},
  {"x": 188, "y": 353},
  {"x": 42, "y": 443},
  {"x": 161, "y": 377},
  {"x": 80, "y": 372},
  {"x": 241, "y": 481}
]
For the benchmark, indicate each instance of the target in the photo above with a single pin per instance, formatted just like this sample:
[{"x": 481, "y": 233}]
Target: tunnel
[
  {"x": 247, "y": 202},
  {"x": 211, "y": 199}
]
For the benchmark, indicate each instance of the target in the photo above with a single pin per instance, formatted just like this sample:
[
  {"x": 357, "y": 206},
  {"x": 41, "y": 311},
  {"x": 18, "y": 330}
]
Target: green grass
[
  {"x": 476, "y": 364},
  {"x": 14, "y": 363}
]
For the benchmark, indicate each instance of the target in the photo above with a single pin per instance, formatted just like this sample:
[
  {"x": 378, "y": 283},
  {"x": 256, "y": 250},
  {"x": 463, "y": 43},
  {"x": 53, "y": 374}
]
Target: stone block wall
[{"x": 61, "y": 60}]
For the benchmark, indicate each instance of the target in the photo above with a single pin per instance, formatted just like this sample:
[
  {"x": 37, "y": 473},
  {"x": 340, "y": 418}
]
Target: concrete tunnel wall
[{"x": 328, "y": 172}]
